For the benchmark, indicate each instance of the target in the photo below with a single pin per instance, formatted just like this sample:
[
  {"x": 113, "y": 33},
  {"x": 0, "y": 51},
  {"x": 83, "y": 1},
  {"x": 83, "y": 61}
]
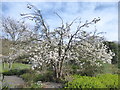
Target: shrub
[
  {"x": 38, "y": 77},
  {"x": 109, "y": 80},
  {"x": 12, "y": 72},
  {"x": 48, "y": 76},
  {"x": 86, "y": 69},
  {"x": 84, "y": 82},
  {"x": 28, "y": 76},
  {"x": 101, "y": 81}
]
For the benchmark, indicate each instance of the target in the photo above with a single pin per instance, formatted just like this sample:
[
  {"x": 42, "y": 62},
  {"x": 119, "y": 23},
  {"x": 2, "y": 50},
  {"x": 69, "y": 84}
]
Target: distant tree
[
  {"x": 13, "y": 33},
  {"x": 114, "y": 47}
]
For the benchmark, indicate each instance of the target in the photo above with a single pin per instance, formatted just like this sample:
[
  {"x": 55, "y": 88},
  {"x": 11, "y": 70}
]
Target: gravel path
[{"x": 13, "y": 81}]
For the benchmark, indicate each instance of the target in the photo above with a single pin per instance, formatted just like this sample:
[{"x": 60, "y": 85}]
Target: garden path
[
  {"x": 13, "y": 81},
  {"x": 51, "y": 85}
]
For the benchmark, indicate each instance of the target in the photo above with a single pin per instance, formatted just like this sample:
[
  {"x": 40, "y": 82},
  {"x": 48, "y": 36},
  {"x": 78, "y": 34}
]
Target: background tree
[
  {"x": 114, "y": 47},
  {"x": 14, "y": 32}
]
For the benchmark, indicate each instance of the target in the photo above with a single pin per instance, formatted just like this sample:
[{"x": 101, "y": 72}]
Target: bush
[
  {"x": 86, "y": 69},
  {"x": 109, "y": 80},
  {"x": 48, "y": 76},
  {"x": 90, "y": 70},
  {"x": 84, "y": 82},
  {"x": 38, "y": 77},
  {"x": 32, "y": 77},
  {"x": 29, "y": 75},
  {"x": 101, "y": 81}
]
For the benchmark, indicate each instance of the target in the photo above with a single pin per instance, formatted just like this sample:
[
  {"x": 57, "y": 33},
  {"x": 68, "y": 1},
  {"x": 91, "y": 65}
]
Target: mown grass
[{"x": 19, "y": 66}]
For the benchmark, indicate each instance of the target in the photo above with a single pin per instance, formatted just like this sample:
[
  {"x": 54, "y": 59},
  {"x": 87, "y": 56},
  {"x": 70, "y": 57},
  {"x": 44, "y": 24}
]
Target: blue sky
[{"x": 107, "y": 11}]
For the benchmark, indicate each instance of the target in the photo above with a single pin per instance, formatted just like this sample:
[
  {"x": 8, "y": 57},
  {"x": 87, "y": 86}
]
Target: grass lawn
[
  {"x": 14, "y": 66},
  {"x": 109, "y": 68}
]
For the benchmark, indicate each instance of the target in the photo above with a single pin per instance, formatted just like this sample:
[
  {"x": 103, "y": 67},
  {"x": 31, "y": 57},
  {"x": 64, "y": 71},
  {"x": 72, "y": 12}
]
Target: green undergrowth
[{"x": 100, "y": 81}]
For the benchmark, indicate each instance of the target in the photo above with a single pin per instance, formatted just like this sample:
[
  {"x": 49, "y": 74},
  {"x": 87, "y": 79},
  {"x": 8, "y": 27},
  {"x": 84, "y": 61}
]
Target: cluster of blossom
[
  {"x": 94, "y": 51},
  {"x": 87, "y": 50},
  {"x": 43, "y": 54},
  {"x": 39, "y": 54},
  {"x": 14, "y": 53}
]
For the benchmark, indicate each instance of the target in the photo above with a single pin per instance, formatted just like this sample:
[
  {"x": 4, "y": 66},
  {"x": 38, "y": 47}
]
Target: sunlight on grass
[{"x": 14, "y": 66}]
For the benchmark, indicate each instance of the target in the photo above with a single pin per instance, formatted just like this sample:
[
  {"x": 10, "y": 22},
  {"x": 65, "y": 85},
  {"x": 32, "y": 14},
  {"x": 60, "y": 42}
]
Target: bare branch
[{"x": 60, "y": 18}]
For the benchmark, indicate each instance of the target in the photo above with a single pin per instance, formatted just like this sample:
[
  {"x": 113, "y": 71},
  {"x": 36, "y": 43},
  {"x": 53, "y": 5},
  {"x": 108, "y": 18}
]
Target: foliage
[
  {"x": 84, "y": 82},
  {"x": 114, "y": 47},
  {"x": 109, "y": 80},
  {"x": 28, "y": 77},
  {"x": 100, "y": 81},
  {"x": 90, "y": 70}
]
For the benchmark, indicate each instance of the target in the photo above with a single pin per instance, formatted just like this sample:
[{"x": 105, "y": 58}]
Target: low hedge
[
  {"x": 100, "y": 81},
  {"x": 15, "y": 72}
]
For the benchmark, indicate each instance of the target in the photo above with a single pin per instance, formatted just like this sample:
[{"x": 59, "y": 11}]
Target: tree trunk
[
  {"x": 57, "y": 74},
  {"x": 10, "y": 65},
  {"x": 3, "y": 65}
]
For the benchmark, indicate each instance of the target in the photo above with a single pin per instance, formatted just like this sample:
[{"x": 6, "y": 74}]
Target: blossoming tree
[
  {"x": 58, "y": 46},
  {"x": 15, "y": 32}
]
